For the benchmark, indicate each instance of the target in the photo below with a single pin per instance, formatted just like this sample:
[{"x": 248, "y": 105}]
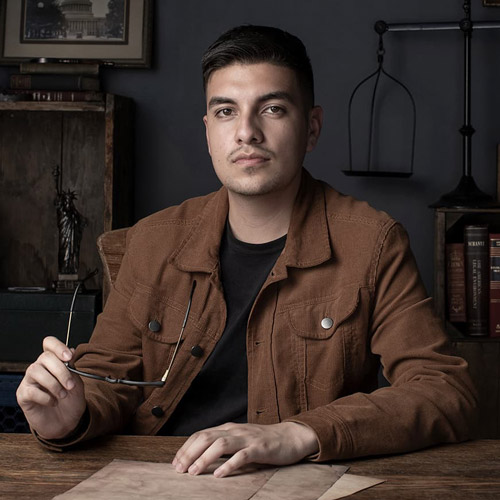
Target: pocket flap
[
  {"x": 321, "y": 318},
  {"x": 156, "y": 317}
]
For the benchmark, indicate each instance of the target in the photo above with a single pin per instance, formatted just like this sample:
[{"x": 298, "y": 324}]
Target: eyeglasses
[{"x": 139, "y": 383}]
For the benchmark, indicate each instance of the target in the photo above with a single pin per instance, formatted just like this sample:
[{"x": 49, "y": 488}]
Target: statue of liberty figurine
[{"x": 70, "y": 223}]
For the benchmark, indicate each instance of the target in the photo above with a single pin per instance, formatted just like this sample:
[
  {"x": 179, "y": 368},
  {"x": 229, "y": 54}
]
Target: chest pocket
[
  {"x": 158, "y": 320},
  {"x": 322, "y": 331}
]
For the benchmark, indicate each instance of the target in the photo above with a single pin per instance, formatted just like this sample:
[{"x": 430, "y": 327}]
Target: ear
[
  {"x": 205, "y": 121},
  {"x": 315, "y": 124}
]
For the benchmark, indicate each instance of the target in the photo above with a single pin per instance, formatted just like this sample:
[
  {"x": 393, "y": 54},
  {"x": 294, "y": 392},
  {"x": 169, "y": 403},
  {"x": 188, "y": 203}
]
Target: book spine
[
  {"x": 455, "y": 282},
  {"x": 54, "y": 82},
  {"x": 58, "y": 95},
  {"x": 67, "y": 95},
  {"x": 495, "y": 285},
  {"x": 476, "y": 250},
  {"x": 59, "y": 68}
]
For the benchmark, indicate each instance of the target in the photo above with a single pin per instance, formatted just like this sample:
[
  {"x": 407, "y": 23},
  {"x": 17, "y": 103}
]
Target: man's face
[{"x": 258, "y": 127}]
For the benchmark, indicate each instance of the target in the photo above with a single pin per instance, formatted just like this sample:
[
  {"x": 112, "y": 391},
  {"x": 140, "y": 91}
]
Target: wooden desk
[{"x": 463, "y": 471}]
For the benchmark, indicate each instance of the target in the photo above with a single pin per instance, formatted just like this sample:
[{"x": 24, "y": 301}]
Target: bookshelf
[{"x": 482, "y": 353}]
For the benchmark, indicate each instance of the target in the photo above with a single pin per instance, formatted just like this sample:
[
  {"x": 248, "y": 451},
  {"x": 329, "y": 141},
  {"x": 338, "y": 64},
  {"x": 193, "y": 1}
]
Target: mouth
[{"x": 251, "y": 159}]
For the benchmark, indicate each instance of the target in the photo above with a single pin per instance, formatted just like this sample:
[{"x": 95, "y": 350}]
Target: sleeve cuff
[{"x": 75, "y": 436}]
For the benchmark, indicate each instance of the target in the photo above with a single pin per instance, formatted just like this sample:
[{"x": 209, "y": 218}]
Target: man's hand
[
  {"x": 51, "y": 397},
  {"x": 276, "y": 444}
]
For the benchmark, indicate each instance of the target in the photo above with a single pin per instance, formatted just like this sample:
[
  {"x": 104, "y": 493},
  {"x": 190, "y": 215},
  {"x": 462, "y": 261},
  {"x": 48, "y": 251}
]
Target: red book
[
  {"x": 495, "y": 285},
  {"x": 455, "y": 282}
]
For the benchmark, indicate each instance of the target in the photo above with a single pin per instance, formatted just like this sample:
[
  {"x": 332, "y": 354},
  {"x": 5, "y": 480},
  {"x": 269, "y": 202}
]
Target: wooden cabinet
[
  {"x": 92, "y": 143},
  {"x": 482, "y": 354}
]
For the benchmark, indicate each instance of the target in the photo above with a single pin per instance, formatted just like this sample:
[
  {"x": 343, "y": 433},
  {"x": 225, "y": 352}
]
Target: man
[{"x": 287, "y": 295}]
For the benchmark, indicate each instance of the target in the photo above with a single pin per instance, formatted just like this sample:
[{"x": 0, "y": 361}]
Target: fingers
[
  {"x": 56, "y": 368},
  {"x": 50, "y": 374},
  {"x": 237, "y": 461},
  {"x": 204, "y": 448},
  {"x": 54, "y": 345},
  {"x": 29, "y": 395},
  {"x": 47, "y": 380},
  {"x": 51, "y": 397}
]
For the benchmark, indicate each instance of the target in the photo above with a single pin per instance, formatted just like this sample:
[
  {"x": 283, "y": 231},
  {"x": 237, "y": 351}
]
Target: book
[
  {"x": 58, "y": 68},
  {"x": 476, "y": 252},
  {"x": 54, "y": 82},
  {"x": 495, "y": 285},
  {"x": 57, "y": 95},
  {"x": 455, "y": 282}
]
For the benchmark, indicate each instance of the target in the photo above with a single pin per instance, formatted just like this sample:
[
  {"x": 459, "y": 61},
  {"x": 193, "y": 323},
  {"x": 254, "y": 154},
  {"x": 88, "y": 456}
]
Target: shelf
[
  {"x": 52, "y": 106},
  {"x": 495, "y": 210},
  {"x": 13, "y": 367},
  {"x": 456, "y": 334}
]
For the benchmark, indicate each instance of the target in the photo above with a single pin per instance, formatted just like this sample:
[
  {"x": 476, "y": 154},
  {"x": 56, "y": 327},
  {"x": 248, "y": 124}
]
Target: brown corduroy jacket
[{"x": 343, "y": 261}]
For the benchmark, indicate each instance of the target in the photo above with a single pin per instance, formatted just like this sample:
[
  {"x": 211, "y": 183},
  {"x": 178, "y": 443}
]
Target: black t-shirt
[{"x": 219, "y": 393}]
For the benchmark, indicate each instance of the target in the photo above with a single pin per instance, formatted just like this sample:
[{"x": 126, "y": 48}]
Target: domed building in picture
[{"x": 80, "y": 21}]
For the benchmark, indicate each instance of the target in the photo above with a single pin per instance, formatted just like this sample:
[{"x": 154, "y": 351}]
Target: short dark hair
[{"x": 251, "y": 44}]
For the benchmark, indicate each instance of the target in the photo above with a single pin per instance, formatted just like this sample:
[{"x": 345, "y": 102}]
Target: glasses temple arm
[
  {"x": 71, "y": 313},
  {"x": 165, "y": 375}
]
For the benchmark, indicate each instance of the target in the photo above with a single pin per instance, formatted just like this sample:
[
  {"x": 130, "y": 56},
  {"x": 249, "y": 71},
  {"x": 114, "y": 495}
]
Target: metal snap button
[
  {"x": 154, "y": 326},
  {"x": 157, "y": 411},
  {"x": 326, "y": 323},
  {"x": 197, "y": 351}
]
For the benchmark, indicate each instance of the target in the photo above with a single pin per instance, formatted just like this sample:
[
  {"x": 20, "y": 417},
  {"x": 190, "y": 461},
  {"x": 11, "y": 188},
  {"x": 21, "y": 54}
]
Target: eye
[
  {"x": 274, "y": 110},
  {"x": 224, "y": 112}
]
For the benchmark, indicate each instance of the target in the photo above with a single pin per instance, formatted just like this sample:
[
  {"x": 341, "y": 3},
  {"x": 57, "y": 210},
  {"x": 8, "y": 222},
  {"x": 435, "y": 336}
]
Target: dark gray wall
[{"x": 172, "y": 161}]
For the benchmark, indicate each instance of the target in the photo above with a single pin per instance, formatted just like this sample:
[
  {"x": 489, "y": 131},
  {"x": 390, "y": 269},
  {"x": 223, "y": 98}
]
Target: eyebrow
[{"x": 279, "y": 94}]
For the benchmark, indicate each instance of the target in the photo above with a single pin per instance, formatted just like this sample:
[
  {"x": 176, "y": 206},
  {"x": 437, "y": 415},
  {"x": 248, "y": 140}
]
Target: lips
[{"x": 250, "y": 158}]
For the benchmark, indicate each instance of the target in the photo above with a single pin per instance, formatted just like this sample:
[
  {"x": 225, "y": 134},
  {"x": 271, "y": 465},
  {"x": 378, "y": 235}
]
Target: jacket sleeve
[
  {"x": 431, "y": 398},
  {"x": 115, "y": 350}
]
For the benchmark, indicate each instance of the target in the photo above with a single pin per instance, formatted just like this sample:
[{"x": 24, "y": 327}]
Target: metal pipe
[
  {"x": 486, "y": 25},
  {"x": 382, "y": 27},
  {"x": 423, "y": 26},
  {"x": 467, "y": 129}
]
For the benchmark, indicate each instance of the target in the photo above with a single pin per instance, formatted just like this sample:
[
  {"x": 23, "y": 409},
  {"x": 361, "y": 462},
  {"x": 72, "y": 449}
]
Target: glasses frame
[{"x": 137, "y": 383}]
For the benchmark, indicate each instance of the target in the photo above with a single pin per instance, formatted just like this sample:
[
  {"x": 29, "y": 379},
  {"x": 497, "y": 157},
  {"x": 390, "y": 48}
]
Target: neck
[{"x": 262, "y": 218}]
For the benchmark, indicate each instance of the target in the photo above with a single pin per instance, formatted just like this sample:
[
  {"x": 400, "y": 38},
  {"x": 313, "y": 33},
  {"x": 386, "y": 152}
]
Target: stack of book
[
  {"x": 53, "y": 81},
  {"x": 473, "y": 282}
]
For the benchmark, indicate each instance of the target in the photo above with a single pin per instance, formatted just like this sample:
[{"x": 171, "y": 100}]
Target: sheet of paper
[
  {"x": 300, "y": 482},
  {"x": 349, "y": 484},
  {"x": 124, "y": 480}
]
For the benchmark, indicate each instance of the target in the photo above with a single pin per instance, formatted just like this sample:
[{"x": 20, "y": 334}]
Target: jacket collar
[
  {"x": 307, "y": 244},
  {"x": 308, "y": 240}
]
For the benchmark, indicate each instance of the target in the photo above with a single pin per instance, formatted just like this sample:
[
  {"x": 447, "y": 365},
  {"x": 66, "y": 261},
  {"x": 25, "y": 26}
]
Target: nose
[{"x": 248, "y": 130}]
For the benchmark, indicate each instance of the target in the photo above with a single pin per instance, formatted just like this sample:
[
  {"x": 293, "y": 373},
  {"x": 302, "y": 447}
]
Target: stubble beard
[{"x": 252, "y": 185}]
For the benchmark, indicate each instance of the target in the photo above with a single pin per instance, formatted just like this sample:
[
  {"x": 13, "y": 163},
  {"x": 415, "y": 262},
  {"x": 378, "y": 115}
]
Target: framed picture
[
  {"x": 491, "y": 3},
  {"x": 113, "y": 32}
]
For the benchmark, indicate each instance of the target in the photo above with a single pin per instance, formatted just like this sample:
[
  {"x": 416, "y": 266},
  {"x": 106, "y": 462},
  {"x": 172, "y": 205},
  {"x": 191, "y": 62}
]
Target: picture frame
[
  {"x": 52, "y": 30},
  {"x": 491, "y": 3}
]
